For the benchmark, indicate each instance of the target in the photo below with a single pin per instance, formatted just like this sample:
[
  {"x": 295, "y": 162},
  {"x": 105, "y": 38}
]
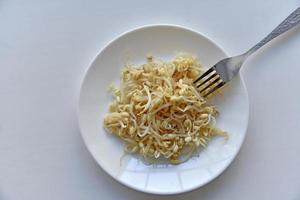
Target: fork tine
[
  {"x": 210, "y": 84},
  {"x": 208, "y": 79},
  {"x": 215, "y": 88},
  {"x": 204, "y": 74}
]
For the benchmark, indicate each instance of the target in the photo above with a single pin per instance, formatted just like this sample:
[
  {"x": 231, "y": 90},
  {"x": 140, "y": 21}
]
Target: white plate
[{"x": 163, "y": 41}]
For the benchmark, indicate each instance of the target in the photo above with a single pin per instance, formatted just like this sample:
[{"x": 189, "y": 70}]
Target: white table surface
[{"x": 45, "y": 48}]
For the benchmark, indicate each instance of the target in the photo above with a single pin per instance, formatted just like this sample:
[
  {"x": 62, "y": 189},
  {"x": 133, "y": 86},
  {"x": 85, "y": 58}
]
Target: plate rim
[{"x": 138, "y": 28}]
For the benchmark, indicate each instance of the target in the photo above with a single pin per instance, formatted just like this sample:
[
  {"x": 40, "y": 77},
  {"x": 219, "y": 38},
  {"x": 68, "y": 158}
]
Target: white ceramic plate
[{"x": 163, "y": 41}]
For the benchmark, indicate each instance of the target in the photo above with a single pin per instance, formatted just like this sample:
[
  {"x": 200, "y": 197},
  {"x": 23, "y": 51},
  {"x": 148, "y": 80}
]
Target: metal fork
[{"x": 226, "y": 69}]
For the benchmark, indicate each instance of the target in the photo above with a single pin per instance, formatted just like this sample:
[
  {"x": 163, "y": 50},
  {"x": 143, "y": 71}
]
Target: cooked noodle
[{"x": 158, "y": 112}]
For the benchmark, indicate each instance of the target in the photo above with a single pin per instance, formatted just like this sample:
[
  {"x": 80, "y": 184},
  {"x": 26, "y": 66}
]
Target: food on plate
[{"x": 158, "y": 112}]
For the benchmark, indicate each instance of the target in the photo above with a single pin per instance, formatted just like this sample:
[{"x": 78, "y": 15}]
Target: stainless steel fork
[{"x": 222, "y": 72}]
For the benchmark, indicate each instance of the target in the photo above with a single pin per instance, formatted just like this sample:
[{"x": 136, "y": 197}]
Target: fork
[{"x": 226, "y": 69}]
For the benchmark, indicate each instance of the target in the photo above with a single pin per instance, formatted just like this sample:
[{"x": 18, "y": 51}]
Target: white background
[{"x": 45, "y": 48}]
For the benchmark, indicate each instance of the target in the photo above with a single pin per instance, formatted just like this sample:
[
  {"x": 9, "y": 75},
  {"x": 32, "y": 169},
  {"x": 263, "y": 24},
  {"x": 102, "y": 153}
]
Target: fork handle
[{"x": 291, "y": 21}]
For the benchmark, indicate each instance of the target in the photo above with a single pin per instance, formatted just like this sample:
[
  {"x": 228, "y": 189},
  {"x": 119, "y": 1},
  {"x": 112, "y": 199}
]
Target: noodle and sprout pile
[{"x": 158, "y": 113}]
